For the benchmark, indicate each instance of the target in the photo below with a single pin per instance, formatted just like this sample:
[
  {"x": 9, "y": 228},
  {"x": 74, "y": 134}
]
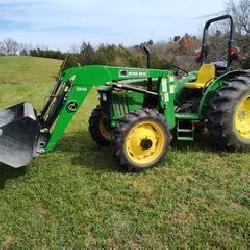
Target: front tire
[
  {"x": 99, "y": 128},
  {"x": 141, "y": 140},
  {"x": 229, "y": 115}
]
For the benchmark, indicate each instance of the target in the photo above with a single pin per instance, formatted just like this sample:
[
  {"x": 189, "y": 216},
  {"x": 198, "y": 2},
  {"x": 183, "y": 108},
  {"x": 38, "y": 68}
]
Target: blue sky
[{"x": 60, "y": 23}]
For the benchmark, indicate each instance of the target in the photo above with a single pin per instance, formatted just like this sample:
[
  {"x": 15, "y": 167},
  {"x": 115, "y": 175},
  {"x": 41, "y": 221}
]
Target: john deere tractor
[{"x": 138, "y": 110}]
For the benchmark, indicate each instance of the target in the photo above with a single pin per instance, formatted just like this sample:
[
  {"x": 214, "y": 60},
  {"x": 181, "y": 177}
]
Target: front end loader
[
  {"x": 139, "y": 108},
  {"x": 125, "y": 93}
]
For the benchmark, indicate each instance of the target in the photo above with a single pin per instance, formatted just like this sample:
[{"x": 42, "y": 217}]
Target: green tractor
[{"x": 138, "y": 110}]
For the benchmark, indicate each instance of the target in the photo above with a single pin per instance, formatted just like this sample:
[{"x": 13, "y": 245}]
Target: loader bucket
[{"x": 18, "y": 134}]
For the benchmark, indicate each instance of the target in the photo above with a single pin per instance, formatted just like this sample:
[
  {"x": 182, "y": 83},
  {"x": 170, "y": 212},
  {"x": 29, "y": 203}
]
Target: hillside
[
  {"x": 78, "y": 197},
  {"x": 25, "y": 69},
  {"x": 26, "y": 79}
]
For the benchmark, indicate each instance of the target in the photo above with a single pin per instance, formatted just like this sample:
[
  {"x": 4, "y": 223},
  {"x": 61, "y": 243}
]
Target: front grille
[{"x": 119, "y": 105}]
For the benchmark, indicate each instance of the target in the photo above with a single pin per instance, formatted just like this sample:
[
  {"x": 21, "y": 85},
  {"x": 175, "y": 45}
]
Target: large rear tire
[
  {"x": 229, "y": 115},
  {"x": 99, "y": 128},
  {"x": 141, "y": 140}
]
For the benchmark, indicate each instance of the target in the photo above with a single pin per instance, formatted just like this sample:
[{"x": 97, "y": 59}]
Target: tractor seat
[{"x": 204, "y": 76}]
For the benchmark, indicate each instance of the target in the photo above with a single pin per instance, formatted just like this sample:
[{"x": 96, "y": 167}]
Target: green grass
[{"x": 79, "y": 197}]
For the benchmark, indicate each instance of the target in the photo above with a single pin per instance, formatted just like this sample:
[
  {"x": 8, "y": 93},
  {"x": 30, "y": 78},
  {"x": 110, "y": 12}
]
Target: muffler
[{"x": 19, "y": 130}]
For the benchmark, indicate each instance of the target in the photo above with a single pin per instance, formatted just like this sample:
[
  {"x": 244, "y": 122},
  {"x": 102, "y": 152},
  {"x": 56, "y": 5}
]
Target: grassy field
[{"x": 79, "y": 197}]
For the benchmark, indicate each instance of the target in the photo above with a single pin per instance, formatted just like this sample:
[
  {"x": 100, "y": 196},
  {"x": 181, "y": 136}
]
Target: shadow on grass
[
  {"x": 7, "y": 173},
  {"x": 104, "y": 163},
  {"x": 85, "y": 152}
]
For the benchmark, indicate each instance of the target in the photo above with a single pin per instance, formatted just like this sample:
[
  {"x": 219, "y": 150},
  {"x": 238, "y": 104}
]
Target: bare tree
[
  {"x": 9, "y": 47},
  {"x": 75, "y": 49},
  {"x": 87, "y": 53},
  {"x": 25, "y": 48},
  {"x": 241, "y": 13},
  {"x": 1, "y": 49}
]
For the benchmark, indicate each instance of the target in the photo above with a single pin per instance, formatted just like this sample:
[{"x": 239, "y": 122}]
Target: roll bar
[{"x": 204, "y": 52}]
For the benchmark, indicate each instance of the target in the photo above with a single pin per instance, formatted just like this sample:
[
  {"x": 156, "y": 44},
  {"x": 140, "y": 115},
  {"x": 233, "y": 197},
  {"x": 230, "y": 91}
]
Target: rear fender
[{"x": 213, "y": 87}]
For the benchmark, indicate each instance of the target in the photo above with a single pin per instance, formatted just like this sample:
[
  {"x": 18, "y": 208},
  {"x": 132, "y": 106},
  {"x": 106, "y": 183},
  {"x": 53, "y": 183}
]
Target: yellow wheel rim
[
  {"x": 242, "y": 118},
  {"x": 105, "y": 130},
  {"x": 145, "y": 142}
]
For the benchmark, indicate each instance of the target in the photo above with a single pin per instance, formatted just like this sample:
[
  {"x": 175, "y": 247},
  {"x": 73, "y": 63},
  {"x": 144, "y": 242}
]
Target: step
[
  {"x": 185, "y": 138},
  {"x": 187, "y": 116},
  {"x": 185, "y": 130}
]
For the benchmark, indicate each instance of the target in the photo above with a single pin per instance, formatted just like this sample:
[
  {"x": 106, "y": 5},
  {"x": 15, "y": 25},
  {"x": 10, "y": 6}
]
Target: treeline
[
  {"x": 179, "y": 51},
  {"x": 104, "y": 54},
  {"x": 47, "y": 53}
]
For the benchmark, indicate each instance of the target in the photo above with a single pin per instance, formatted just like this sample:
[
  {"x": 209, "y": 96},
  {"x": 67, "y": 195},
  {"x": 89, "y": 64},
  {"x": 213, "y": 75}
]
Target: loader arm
[{"x": 77, "y": 82}]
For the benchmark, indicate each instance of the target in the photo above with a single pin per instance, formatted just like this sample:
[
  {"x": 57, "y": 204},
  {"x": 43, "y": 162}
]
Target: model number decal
[
  {"x": 130, "y": 73},
  {"x": 81, "y": 89},
  {"x": 137, "y": 74}
]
